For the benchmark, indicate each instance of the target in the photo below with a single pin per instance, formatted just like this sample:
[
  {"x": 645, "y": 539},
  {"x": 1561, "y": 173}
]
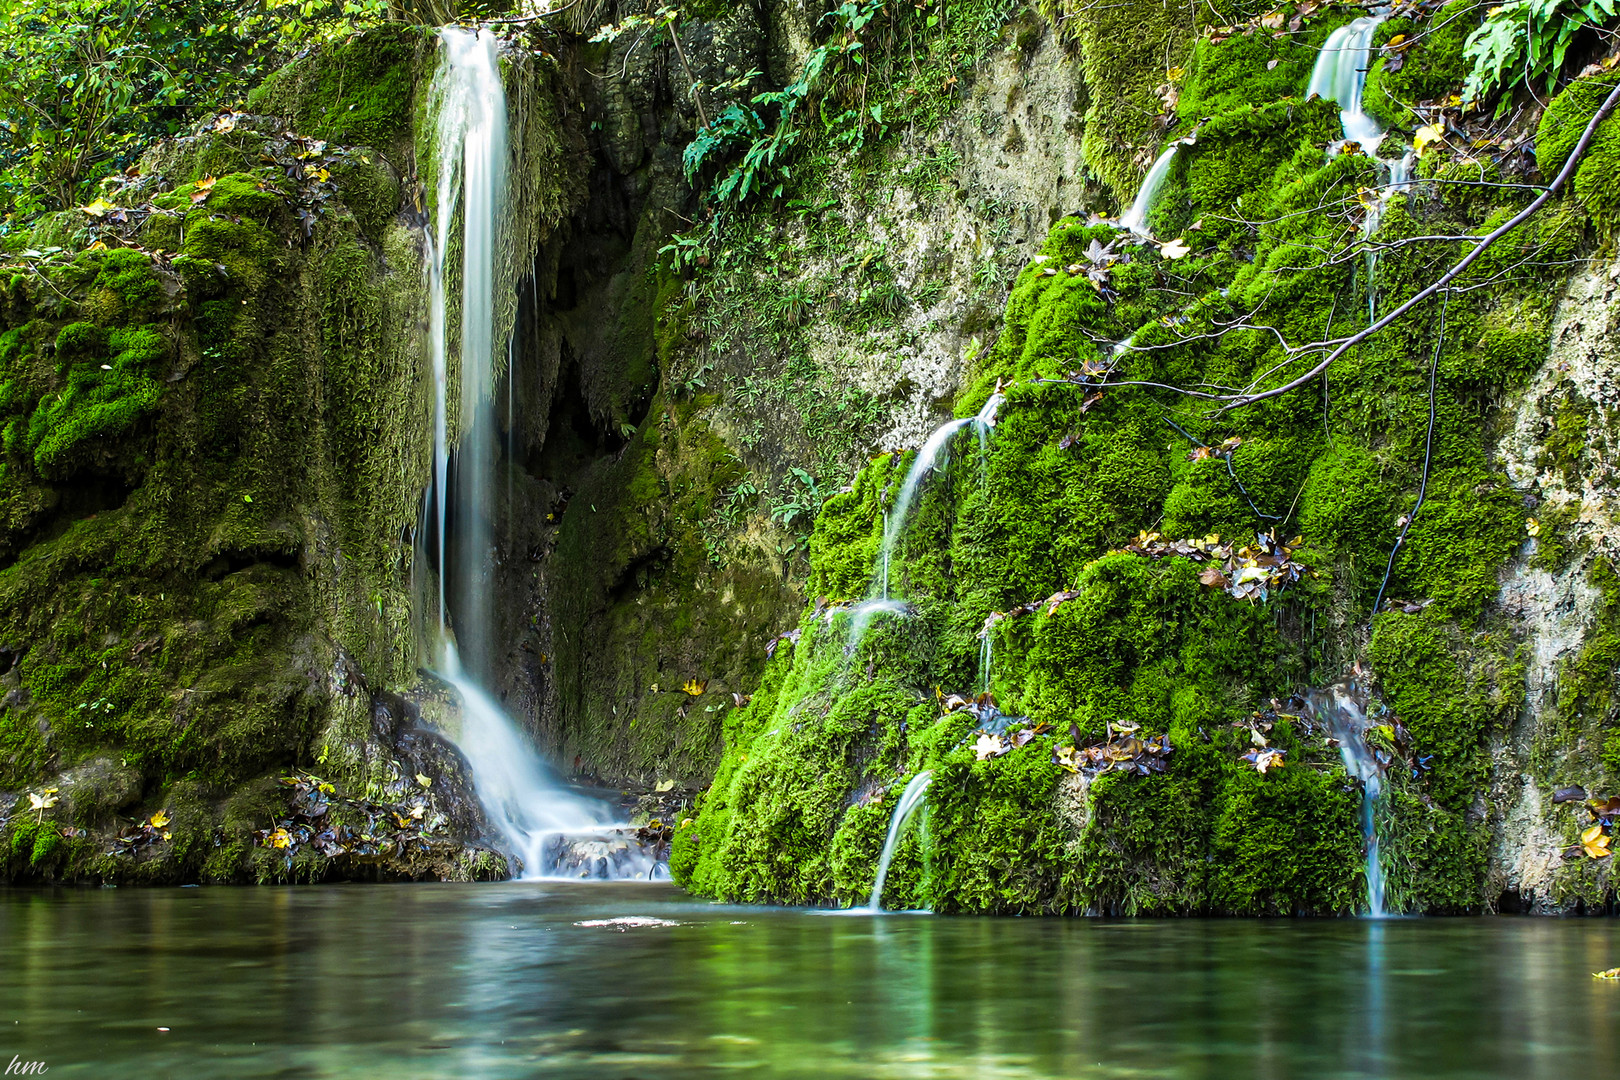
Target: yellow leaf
[
  {"x": 160, "y": 819},
  {"x": 98, "y": 208},
  {"x": 696, "y": 687},
  {"x": 1595, "y": 842},
  {"x": 41, "y": 802},
  {"x": 664, "y": 785},
  {"x": 1395, "y": 42},
  {"x": 1175, "y": 249},
  {"x": 280, "y": 839},
  {"x": 417, "y": 811},
  {"x": 425, "y": 781},
  {"x": 1532, "y": 526},
  {"x": 1426, "y": 136},
  {"x": 1272, "y": 21},
  {"x": 1612, "y": 973},
  {"x": 1173, "y": 74}
]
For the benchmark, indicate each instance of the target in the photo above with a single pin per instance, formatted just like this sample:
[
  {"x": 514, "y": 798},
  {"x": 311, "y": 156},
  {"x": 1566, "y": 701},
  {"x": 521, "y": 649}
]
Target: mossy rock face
[
  {"x": 211, "y": 462},
  {"x": 1075, "y": 471},
  {"x": 362, "y": 92}
]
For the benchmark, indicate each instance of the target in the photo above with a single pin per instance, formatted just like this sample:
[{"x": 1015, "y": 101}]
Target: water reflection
[{"x": 498, "y": 981}]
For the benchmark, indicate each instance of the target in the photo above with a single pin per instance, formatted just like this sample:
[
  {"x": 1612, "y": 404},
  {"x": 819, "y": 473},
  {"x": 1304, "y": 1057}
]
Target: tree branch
[{"x": 1451, "y": 275}]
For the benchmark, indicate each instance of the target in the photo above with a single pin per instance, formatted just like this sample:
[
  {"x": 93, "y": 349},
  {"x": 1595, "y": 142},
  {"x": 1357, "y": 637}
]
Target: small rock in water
[{"x": 628, "y": 922}]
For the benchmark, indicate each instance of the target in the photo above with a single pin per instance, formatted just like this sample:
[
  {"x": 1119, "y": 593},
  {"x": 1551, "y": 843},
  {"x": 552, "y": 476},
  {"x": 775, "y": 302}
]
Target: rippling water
[{"x": 500, "y": 981}]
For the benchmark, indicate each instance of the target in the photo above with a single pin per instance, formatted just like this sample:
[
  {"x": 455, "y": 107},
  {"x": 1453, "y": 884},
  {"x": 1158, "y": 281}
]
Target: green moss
[
  {"x": 1432, "y": 65},
  {"x": 359, "y": 92},
  {"x": 1597, "y": 177}
]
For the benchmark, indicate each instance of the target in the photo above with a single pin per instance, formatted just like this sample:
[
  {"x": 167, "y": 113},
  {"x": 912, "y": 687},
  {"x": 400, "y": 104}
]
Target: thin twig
[{"x": 1428, "y": 456}]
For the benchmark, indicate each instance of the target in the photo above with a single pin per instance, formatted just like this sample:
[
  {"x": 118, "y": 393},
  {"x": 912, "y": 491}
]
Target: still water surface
[{"x": 500, "y": 981}]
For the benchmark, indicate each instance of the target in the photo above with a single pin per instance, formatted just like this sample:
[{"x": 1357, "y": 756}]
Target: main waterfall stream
[{"x": 536, "y": 815}]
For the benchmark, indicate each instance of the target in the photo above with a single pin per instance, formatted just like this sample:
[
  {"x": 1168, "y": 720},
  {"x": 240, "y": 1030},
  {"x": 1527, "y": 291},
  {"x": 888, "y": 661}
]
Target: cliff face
[{"x": 709, "y": 414}]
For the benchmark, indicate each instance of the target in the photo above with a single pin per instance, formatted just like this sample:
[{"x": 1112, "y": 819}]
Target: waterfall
[
  {"x": 910, "y": 799},
  {"x": 1340, "y": 707},
  {"x": 1135, "y": 219},
  {"x": 1340, "y": 76},
  {"x": 935, "y": 452},
  {"x": 520, "y": 796}
]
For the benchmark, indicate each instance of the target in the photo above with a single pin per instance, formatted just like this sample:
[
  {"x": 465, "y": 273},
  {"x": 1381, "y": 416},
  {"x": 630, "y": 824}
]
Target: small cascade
[
  {"x": 1340, "y": 76},
  {"x": 1342, "y": 707},
  {"x": 1136, "y": 218},
  {"x": 910, "y": 799},
  {"x": 934, "y": 454},
  {"x": 549, "y": 828}
]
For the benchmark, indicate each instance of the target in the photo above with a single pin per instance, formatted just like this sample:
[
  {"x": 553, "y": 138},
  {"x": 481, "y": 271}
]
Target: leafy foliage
[
  {"x": 1527, "y": 40},
  {"x": 90, "y": 83}
]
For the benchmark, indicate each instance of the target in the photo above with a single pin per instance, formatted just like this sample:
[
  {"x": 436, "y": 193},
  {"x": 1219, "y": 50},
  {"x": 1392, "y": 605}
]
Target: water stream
[
  {"x": 1340, "y": 76},
  {"x": 934, "y": 454},
  {"x": 1136, "y": 218},
  {"x": 1342, "y": 707},
  {"x": 541, "y": 820},
  {"x": 911, "y": 799}
]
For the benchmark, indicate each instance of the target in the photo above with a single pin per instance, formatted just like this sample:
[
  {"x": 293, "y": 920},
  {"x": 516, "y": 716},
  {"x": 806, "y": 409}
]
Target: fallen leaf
[
  {"x": 1612, "y": 973},
  {"x": 988, "y": 746},
  {"x": 97, "y": 209},
  {"x": 1427, "y": 136},
  {"x": 1532, "y": 526},
  {"x": 160, "y": 819},
  {"x": 1595, "y": 842},
  {"x": 279, "y": 839},
  {"x": 664, "y": 785},
  {"x": 1175, "y": 249},
  {"x": 695, "y": 687},
  {"x": 1574, "y": 793},
  {"x": 202, "y": 189},
  {"x": 425, "y": 781}
]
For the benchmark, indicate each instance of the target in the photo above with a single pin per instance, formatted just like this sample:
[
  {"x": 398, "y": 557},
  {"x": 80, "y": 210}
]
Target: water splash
[
  {"x": 533, "y": 811},
  {"x": 910, "y": 800},
  {"x": 1342, "y": 707},
  {"x": 1135, "y": 219}
]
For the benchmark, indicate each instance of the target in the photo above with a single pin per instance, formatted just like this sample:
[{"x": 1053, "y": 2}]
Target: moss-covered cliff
[{"x": 216, "y": 444}]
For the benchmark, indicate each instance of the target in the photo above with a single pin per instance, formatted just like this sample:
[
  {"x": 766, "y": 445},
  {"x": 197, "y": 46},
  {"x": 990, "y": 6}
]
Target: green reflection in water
[{"x": 498, "y": 981}]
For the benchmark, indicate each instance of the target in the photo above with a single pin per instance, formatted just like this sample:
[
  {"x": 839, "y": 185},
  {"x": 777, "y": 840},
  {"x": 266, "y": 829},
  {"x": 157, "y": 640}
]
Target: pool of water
[{"x": 502, "y": 981}]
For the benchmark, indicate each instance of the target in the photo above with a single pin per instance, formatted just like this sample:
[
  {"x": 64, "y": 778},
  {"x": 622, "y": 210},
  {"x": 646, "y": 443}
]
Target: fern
[{"x": 1526, "y": 41}]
